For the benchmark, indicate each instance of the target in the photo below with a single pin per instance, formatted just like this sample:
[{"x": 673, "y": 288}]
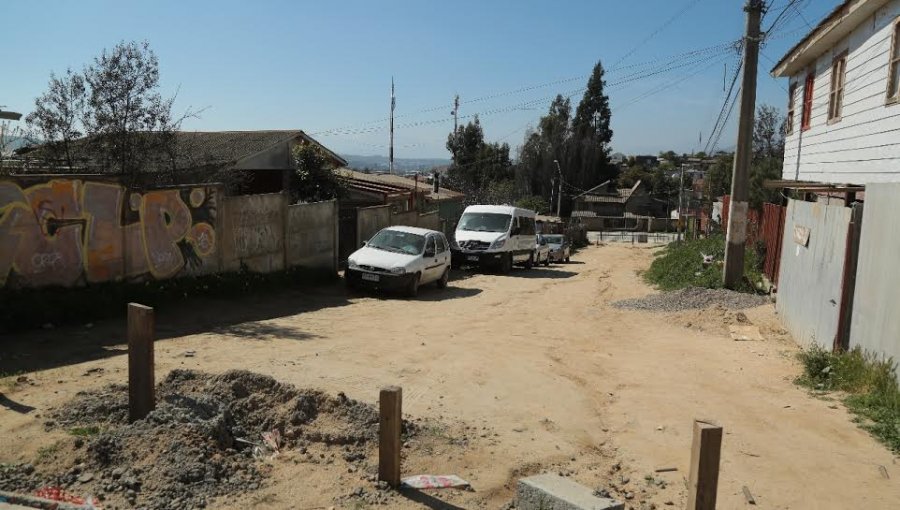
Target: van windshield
[
  {"x": 484, "y": 222},
  {"x": 398, "y": 242}
]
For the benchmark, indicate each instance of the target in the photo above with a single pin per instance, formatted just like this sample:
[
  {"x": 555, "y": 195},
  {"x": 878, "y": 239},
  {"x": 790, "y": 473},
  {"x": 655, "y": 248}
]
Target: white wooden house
[{"x": 843, "y": 123}]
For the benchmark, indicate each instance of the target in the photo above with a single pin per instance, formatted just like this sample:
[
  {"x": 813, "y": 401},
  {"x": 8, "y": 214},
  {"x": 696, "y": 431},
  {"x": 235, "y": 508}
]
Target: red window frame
[{"x": 808, "y": 89}]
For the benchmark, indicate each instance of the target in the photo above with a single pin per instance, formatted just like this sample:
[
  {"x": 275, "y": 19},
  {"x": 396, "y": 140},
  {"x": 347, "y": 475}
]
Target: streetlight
[
  {"x": 559, "y": 197},
  {"x": 10, "y": 115}
]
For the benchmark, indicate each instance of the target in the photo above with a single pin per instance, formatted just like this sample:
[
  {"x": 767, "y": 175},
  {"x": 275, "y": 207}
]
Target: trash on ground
[
  {"x": 744, "y": 333},
  {"x": 435, "y": 482}
]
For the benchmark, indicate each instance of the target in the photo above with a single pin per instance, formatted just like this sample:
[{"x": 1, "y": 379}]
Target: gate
[{"x": 346, "y": 234}]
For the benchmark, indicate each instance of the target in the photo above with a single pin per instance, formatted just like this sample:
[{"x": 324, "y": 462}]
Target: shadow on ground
[
  {"x": 427, "y": 500},
  {"x": 241, "y": 317}
]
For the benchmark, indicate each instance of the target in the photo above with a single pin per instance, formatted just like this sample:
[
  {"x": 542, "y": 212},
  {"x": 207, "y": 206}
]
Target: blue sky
[{"x": 323, "y": 65}]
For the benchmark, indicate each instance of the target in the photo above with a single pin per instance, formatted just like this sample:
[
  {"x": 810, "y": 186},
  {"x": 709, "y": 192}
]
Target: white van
[{"x": 494, "y": 235}]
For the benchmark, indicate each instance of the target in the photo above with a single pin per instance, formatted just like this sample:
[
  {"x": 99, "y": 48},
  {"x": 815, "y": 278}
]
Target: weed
[
  {"x": 45, "y": 453},
  {"x": 870, "y": 383},
  {"x": 680, "y": 265},
  {"x": 85, "y": 431}
]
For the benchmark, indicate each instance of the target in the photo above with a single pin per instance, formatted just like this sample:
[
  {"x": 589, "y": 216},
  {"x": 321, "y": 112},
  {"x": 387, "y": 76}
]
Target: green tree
[
  {"x": 476, "y": 163},
  {"x": 314, "y": 179},
  {"x": 535, "y": 203},
  {"x": 591, "y": 135}
]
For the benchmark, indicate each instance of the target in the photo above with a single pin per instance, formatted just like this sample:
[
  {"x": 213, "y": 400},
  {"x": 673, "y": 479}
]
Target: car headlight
[
  {"x": 351, "y": 264},
  {"x": 398, "y": 270},
  {"x": 498, "y": 243}
]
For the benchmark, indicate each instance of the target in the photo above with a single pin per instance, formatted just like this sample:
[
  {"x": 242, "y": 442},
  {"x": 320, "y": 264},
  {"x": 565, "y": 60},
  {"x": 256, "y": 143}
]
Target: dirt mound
[{"x": 200, "y": 440}]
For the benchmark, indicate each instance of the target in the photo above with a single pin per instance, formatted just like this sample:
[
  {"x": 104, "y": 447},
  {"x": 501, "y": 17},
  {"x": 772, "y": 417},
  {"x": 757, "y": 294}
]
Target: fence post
[
  {"x": 390, "y": 407},
  {"x": 141, "y": 397},
  {"x": 704, "y": 477}
]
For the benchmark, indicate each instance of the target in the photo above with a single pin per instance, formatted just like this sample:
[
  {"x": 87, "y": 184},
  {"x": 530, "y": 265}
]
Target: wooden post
[
  {"x": 390, "y": 403},
  {"x": 141, "y": 398},
  {"x": 704, "y": 478}
]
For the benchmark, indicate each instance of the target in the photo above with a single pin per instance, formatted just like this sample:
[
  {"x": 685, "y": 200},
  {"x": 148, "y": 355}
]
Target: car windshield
[
  {"x": 398, "y": 242},
  {"x": 554, "y": 239},
  {"x": 484, "y": 222}
]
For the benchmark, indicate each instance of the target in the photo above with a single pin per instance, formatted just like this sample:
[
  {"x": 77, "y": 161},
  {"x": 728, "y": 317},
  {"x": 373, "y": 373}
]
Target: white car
[
  {"x": 541, "y": 251},
  {"x": 400, "y": 258}
]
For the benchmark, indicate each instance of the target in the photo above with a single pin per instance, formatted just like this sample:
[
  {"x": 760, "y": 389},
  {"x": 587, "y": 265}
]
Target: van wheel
[
  {"x": 567, "y": 259},
  {"x": 412, "y": 288},
  {"x": 506, "y": 264},
  {"x": 547, "y": 261},
  {"x": 442, "y": 283},
  {"x": 530, "y": 262}
]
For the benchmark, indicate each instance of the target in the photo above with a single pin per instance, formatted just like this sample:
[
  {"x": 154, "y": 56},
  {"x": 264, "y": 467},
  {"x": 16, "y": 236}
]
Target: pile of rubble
[
  {"x": 202, "y": 441},
  {"x": 693, "y": 298}
]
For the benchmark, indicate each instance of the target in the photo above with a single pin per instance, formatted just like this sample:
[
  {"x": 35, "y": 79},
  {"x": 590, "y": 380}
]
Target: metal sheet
[{"x": 809, "y": 289}]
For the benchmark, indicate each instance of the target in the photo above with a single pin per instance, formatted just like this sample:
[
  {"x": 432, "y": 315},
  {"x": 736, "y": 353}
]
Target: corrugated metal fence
[{"x": 764, "y": 226}]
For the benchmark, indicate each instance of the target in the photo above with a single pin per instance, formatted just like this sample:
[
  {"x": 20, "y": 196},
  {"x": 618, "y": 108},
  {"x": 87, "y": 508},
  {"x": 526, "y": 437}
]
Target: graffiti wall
[
  {"x": 254, "y": 233},
  {"x": 70, "y": 231}
]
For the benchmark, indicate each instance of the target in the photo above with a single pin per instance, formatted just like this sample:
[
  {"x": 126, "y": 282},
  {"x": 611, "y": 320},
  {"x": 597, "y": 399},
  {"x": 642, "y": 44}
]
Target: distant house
[
  {"x": 404, "y": 193},
  {"x": 606, "y": 200},
  {"x": 844, "y": 95},
  {"x": 262, "y": 159}
]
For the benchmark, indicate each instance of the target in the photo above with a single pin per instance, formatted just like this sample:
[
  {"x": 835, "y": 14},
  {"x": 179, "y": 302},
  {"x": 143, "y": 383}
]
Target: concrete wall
[
  {"x": 254, "y": 233},
  {"x": 369, "y": 220},
  {"x": 861, "y": 147},
  {"x": 312, "y": 235},
  {"x": 809, "y": 283},
  {"x": 73, "y": 231},
  {"x": 875, "y": 322}
]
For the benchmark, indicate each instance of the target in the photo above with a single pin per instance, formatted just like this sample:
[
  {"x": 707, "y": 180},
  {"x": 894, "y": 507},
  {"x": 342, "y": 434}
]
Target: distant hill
[{"x": 401, "y": 165}]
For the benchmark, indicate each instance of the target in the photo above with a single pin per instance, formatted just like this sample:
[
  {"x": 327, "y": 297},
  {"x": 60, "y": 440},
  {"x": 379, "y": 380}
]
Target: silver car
[
  {"x": 560, "y": 251},
  {"x": 541, "y": 251}
]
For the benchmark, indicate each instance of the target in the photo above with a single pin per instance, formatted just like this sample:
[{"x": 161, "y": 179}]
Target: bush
[
  {"x": 871, "y": 385},
  {"x": 680, "y": 265}
]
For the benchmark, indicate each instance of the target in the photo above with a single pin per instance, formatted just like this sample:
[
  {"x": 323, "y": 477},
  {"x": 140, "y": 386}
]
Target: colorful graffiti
[{"x": 69, "y": 232}]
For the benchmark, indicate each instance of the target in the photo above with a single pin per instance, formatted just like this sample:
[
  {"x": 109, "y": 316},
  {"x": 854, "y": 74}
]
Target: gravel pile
[
  {"x": 693, "y": 298},
  {"x": 198, "y": 443}
]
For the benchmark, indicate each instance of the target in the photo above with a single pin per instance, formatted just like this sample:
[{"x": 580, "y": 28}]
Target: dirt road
[{"x": 557, "y": 378}]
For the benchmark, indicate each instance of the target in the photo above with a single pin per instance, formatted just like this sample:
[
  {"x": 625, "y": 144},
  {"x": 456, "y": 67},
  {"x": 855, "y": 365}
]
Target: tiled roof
[{"x": 405, "y": 183}]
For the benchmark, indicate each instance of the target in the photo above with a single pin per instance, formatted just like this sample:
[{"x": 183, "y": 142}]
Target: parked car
[
  {"x": 498, "y": 236},
  {"x": 400, "y": 258},
  {"x": 560, "y": 251},
  {"x": 541, "y": 250}
]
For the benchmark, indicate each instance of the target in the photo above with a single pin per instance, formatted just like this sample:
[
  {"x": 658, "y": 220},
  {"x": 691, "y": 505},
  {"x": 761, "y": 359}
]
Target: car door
[
  {"x": 443, "y": 253},
  {"x": 432, "y": 262}
]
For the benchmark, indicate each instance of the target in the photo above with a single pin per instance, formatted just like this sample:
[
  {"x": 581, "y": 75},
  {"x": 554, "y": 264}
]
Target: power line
[
  {"x": 656, "y": 32},
  {"x": 722, "y": 118}
]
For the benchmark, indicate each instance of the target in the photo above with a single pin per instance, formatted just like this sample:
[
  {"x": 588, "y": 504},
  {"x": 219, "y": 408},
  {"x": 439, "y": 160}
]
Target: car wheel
[
  {"x": 567, "y": 259},
  {"x": 530, "y": 262},
  {"x": 442, "y": 282},
  {"x": 506, "y": 264},
  {"x": 547, "y": 261},
  {"x": 412, "y": 288}
]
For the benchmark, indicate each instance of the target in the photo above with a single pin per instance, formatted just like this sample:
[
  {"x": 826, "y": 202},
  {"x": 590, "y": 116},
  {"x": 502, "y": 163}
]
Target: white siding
[{"x": 864, "y": 146}]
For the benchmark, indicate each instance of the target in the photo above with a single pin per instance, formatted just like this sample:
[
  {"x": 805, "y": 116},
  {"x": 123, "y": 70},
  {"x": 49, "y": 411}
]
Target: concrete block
[{"x": 553, "y": 492}]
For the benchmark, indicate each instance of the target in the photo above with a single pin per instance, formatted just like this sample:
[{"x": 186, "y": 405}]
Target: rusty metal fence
[{"x": 764, "y": 233}]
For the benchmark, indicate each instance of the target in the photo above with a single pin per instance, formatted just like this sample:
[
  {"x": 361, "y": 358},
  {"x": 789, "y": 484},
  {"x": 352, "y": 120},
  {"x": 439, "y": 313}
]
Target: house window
[
  {"x": 807, "y": 101},
  {"x": 836, "y": 98},
  {"x": 894, "y": 76},
  {"x": 792, "y": 102}
]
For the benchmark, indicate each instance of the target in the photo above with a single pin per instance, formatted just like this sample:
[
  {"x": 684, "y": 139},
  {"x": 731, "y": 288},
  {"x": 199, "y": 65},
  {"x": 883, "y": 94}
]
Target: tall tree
[
  {"x": 481, "y": 170},
  {"x": 58, "y": 116},
  {"x": 592, "y": 133}
]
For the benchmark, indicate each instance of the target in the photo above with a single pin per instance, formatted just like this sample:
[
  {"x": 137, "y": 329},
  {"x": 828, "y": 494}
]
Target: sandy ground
[{"x": 553, "y": 377}]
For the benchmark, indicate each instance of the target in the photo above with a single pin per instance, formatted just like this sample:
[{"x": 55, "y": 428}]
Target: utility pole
[
  {"x": 559, "y": 194},
  {"x": 455, "y": 112},
  {"x": 733, "y": 272},
  {"x": 393, "y": 104},
  {"x": 552, "y": 193},
  {"x": 681, "y": 206}
]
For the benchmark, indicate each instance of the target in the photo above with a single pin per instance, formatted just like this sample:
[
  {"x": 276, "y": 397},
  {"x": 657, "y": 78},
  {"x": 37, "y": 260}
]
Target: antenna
[{"x": 393, "y": 104}]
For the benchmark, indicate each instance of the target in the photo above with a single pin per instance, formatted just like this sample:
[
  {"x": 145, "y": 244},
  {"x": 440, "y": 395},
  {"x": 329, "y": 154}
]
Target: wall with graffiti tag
[{"x": 74, "y": 231}]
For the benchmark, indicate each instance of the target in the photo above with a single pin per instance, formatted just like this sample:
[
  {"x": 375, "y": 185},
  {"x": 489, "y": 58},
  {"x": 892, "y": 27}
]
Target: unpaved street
[{"x": 553, "y": 377}]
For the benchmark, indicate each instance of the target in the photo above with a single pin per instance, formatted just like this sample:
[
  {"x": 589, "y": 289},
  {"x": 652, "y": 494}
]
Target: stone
[
  {"x": 552, "y": 492},
  {"x": 86, "y": 477}
]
